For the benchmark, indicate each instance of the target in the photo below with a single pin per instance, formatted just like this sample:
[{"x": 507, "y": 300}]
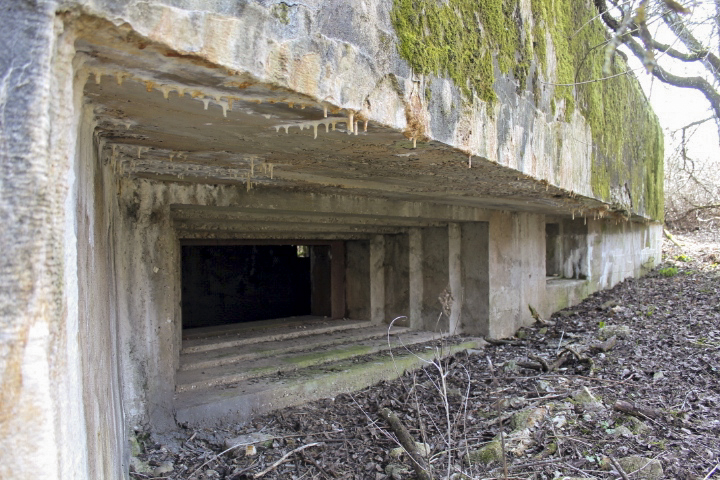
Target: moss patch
[
  {"x": 492, "y": 452},
  {"x": 627, "y": 139},
  {"x": 281, "y": 12},
  {"x": 460, "y": 39},
  {"x": 315, "y": 358},
  {"x": 466, "y": 40}
]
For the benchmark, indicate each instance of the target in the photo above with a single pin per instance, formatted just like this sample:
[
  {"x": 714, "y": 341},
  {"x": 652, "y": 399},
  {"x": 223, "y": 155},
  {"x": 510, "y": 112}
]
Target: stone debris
[
  {"x": 642, "y": 468},
  {"x": 240, "y": 444},
  {"x": 163, "y": 468}
]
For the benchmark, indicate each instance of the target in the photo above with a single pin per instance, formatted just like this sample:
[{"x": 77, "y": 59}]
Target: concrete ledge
[
  {"x": 564, "y": 292},
  {"x": 241, "y": 402}
]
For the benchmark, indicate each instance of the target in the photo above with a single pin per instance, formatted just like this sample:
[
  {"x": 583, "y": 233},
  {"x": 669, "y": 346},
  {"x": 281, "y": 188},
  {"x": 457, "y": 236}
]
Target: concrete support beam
[
  {"x": 377, "y": 279},
  {"x": 230, "y": 198},
  {"x": 357, "y": 279},
  {"x": 415, "y": 252},
  {"x": 337, "y": 279},
  {"x": 428, "y": 270},
  {"x": 517, "y": 270},
  {"x": 468, "y": 274},
  {"x": 397, "y": 273},
  {"x": 474, "y": 304},
  {"x": 320, "y": 280},
  {"x": 455, "y": 272}
]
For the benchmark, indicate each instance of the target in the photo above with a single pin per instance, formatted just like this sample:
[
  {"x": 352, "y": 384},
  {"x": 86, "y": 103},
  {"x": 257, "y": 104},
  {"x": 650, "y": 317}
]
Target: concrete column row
[{"x": 432, "y": 278}]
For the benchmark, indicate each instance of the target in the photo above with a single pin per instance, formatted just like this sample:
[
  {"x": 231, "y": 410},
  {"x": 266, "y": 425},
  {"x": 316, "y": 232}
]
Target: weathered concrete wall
[
  {"x": 517, "y": 270},
  {"x": 41, "y": 398},
  {"x": 474, "y": 291},
  {"x": 611, "y": 252},
  {"x": 349, "y": 54},
  {"x": 98, "y": 339},
  {"x": 147, "y": 258},
  {"x": 397, "y": 274},
  {"x": 429, "y": 277},
  {"x": 619, "y": 250},
  {"x": 357, "y": 279}
]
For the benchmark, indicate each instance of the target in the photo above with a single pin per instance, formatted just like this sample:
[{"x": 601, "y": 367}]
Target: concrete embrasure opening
[
  {"x": 566, "y": 249},
  {"x": 553, "y": 249},
  {"x": 228, "y": 284},
  {"x": 222, "y": 285}
]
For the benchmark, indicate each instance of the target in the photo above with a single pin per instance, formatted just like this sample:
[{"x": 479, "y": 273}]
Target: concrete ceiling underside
[{"x": 166, "y": 117}]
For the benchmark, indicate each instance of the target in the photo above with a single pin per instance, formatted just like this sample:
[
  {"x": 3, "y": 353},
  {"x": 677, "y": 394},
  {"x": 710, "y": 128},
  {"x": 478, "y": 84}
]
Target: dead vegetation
[{"x": 624, "y": 385}]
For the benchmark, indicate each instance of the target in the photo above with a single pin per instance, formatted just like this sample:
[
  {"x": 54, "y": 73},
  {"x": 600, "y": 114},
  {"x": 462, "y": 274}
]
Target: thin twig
[
  {"x": 285, "y": 457},
  {"x": 560, "y": 342},
  {"x": 494, "y": 382},
  {"x": 618, "y": 468},
  {"x": 712, "y": 471}
]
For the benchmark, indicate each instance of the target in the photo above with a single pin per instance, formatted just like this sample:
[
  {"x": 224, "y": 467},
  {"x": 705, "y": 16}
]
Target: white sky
[{"x": 677, "y": 107}]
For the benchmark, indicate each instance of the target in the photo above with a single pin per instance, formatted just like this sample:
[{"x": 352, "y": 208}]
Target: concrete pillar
[
  {"x": 415, "y": 252},
  {"x": 397, "y": 274},
  {"x": 517, "y": 270},
  {"x": 428, "y": 277},
  {"x": 377, "y": 279},
  {"x": 320, "y": 281},
  {"x": 357, "y": 279},
  {"x": 455, "y": 273},
  {"x": 43, "y": 416},
  {"x": 337, "y": 279},
  {"x": 474, "y": 298}
]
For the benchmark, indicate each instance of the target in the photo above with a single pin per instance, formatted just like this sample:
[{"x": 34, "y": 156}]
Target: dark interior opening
[
  {"x": 232, "y": 284},
  {"x": 553, "y": 247}
]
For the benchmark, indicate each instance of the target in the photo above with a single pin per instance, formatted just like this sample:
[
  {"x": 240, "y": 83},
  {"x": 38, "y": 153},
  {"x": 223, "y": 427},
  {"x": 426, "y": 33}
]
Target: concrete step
[
  {"x": 226, "y": 336},
  {"x": 313, "y": 354},
  {"x": 243, "y": 400},
  {"x": 235, "y": 354}
]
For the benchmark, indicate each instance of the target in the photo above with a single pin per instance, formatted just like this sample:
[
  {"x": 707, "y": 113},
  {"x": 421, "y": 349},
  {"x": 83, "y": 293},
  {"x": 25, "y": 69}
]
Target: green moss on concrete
[
  {"x": 459, "y": 38},
  {"x": 492, "y": 452},
  {"x": 466, "y": 39},
  {"x": 316, "y": 358},
  {"x": 628, "y": 145},
  {"x": 281, "y": 12}
]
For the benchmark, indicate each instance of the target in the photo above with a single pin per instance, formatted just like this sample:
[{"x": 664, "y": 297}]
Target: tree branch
[
  {"x": 711, "y": 61},
  {"x": 697, "y": 83},
  {"x": 678, "y": 27}
]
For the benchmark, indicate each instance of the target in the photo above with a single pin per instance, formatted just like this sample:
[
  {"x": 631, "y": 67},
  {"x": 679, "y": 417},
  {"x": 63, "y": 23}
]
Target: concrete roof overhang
[{"x": 175, "y": 118}]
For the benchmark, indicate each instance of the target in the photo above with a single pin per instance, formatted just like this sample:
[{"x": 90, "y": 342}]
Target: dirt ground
[{"x": 624, "y": 385}]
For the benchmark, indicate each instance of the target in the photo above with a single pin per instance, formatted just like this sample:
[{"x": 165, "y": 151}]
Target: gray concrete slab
[
  {"x": 213, "y": 338},
  {"x": 243, "y": 400},
  {"x": 314, "y": 354},
  {"x": 227, "y": 355}
]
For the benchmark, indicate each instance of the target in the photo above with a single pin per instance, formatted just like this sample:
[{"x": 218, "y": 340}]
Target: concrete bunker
[
  {"x": 166, "y": 127},
  {"x": 207, "y": 176}
]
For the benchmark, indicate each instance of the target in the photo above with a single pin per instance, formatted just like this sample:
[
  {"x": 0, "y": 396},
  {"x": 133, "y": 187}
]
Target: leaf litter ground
[{"x": 630, "y": 373}]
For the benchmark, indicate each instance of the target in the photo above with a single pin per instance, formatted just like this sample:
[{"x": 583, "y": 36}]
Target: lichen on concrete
[
  {"x": 628, "y": 147},
  {"x": 467, "y": 41},
  {"x": 463, "y": 39}
]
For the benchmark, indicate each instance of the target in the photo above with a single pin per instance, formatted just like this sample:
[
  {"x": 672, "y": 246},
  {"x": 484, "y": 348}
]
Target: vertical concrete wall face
[
  {"x": 474, "y": 293},
  {"x": 619, "y": 250},
  {"x": 98, "y": 336},
  {"x": 449, "y": 192},
  {"x": 428, "y": 272},
  {"x": 397, "y": 279},
  {"x": 358, "y": 281},
  {"x": 517, "y": 270},
  {"x": 42, "y": 411}
]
